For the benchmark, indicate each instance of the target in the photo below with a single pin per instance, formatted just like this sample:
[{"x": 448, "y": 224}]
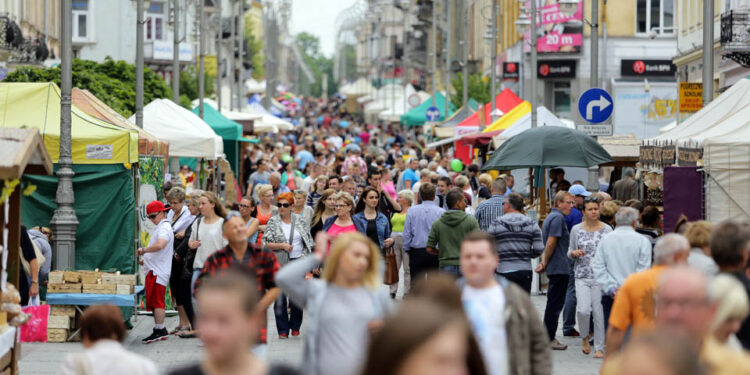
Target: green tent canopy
[
  {"x": 230, "y": 131},
  {"x": 418, "y": 115}
]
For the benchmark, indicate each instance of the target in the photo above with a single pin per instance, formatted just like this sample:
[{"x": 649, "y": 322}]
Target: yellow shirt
[
  {"x": 634, "y": 303},
  {"x": 397, "y": 222}
]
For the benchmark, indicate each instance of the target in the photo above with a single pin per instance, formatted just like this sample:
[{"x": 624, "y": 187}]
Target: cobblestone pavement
[{"x": 174, "y": 353}]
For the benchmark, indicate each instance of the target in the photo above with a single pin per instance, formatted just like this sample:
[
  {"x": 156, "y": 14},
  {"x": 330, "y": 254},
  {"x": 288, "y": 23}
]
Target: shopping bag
[
  {"x": 391, "y": 267},
  {"x": 35, "y": 330}
]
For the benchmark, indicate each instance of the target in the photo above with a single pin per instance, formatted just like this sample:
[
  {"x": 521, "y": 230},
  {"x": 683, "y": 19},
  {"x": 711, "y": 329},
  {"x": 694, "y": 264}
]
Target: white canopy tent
[
  {"x": 399, "y": 105},
  {"x": 384, "y": 99},
  {"x": 262, "y": 122},
  {"x": 187, "y": 134},
  {"x": 544, "y": 117},
  {"x": 357, "y": 88},
  {"x": 721, "y": 111},
  {"x": 726, "y": 160},
  {"x": 254, "y": 87}
]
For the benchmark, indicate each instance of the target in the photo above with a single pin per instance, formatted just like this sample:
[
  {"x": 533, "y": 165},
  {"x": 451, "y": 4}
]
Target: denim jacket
[{"x": 382, "y": 222}]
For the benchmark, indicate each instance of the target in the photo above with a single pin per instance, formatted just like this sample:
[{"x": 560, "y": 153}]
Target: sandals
[
  {"x": 179, "y": 329},
  {"x": 599, "y": 354},
  {"x": 586, "y": 346},
  {"x": 187, "y": 334}
]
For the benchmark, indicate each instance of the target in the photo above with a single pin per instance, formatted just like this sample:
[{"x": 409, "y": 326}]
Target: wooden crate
[
  {"x": 125, "y": 289},
  {"x": 99, "y": 288},
  {"x": 109, "y": 279},
  {"x": 58, "y": 321},
  {"x": 63, "y": 288},
  {"x": 90, "y": 277},
  {"x": 56, "y": 277},
  {"x": 57, "y": 335},
  {"x": 63, "y": 310},
  {"x": 72, "y": 277}
]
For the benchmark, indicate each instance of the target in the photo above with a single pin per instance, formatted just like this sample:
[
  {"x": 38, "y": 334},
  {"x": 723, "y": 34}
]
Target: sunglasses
[
  {"x": 153, "y": 216},
  {"x": 341, "y": 206},
  {"x": 591, "y": 199},
  {"x": 285, "y": 205},
  {"x": 232, "y": 214}
]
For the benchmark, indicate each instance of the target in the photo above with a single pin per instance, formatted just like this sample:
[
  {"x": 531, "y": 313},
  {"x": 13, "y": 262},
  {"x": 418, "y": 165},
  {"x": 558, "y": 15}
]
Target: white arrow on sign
[{"x": 602, "y": 103}]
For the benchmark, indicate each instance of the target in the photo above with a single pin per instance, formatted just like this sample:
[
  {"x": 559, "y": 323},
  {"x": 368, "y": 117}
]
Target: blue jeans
[
  {"x": 196, "y": 274},
  {"x": 288, "y": 315},
  {"x": 569, "y": 313},
  {"x": 455, "y": 270}
]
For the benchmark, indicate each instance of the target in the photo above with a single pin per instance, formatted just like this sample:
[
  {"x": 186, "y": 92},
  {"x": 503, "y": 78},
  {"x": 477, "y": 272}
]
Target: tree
[
  {"x": 113, "y": 82},
  {"x": 189, "y": 85},
  {"x": 479, "y": 89},
  {"x": 309, "y": 46},
  {"x": 254, "y": 45}
]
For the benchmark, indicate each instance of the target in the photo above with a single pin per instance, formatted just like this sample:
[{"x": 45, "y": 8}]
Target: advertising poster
[
  {"x": 151, "y": 171},
  {"x": 557, "y": 32},
  {"x": 642, "y": 110}
]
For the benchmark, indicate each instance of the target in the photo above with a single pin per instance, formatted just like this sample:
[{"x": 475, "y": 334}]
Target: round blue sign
[
  {"x": 595, "y": 105},
  {"x": 432, "y": 114}
]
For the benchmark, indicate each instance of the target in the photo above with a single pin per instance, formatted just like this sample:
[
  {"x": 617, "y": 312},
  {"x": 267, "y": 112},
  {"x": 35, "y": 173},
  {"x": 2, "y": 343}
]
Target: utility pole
[
  {"x": 465, "y": 51},
  {"x": 232, "y": 62},
  {"x": 593, "y": 179},
  {"x": 434, "y": 54},
  {"x": 448, "y": 54},
  {"x": 493, "y": 74},
  {"x": 708, "y": 52},
  {"x": 176, "y": 51},
  {"x": 533, "y": 70},
  {"x": 139, "y": 64},
  {"x": 201, "y": 57},
  {"x": 404, "y": 59},
  {"x": 219, "y": 61},
  {"x": 240, "y": 57},
  {"x": 64, "y": 221}
]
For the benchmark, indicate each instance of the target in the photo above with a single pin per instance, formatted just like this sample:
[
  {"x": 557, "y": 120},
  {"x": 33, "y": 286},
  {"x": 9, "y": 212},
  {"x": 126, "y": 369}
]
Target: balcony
[{"x": 735, "y": 36}]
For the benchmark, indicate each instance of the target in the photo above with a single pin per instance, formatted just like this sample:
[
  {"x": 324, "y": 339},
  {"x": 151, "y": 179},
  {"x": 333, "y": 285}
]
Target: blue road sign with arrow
[
  {"x": 433, "y": 114},
  {"x": 595, "y": 105}
]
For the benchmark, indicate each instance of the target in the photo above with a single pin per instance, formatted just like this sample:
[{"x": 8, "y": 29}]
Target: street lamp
[
  {"x": 140, "y": 5},
  {"x": 522, "y": 23}
]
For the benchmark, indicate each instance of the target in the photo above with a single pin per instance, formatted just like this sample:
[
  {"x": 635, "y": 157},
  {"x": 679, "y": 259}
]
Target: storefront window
[{"x": 561, "y": 97}]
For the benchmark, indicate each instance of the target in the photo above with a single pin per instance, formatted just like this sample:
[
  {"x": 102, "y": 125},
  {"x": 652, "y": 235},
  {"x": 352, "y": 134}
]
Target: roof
[{"x": 22, "y": 151}]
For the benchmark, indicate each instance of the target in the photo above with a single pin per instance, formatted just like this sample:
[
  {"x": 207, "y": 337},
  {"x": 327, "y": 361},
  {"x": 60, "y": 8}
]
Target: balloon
[
  {"x": 457, "y": 165},
  {"x": 286, "y": 158}
]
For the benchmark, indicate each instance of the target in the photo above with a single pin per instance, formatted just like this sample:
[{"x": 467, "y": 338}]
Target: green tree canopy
[
  {"x": 479, "y": 89},
  {"x": 113, "y": 82},
  {"x": 309, "y": 46},
  {"x": 254, "y": 47}
]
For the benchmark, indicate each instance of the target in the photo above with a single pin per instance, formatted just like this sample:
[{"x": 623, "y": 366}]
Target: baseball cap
[
  {"x": 154, "y": 207},
  {"x": 579, "y": 190}
]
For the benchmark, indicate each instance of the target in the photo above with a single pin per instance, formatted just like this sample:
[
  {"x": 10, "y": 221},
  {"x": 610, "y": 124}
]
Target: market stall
[
  {"x": 726, "y": 160},
  {"x": 446, "y": 129},
  {"x": 103, "y": 155},
  {"x": 22, "y": 152},
  {"x": 418, "y": 115},
  {"x": 228, "y": 130},
  {"x": 400, "y": 105}
]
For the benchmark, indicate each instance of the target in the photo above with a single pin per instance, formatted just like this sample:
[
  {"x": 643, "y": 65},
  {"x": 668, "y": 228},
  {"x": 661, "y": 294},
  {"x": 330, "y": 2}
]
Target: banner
[
  {"x": 556, "y": 31},
  {"x": 691, "y": 97},
  {"x": 643, "y": 112},
  {"x": 667, "y": 155},
  {"x": 688, "y": 157},
  {"x": 151, "y": 171}
]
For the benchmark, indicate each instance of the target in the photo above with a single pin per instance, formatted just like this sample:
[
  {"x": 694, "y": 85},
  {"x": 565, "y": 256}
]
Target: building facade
[{"x": 29, "y": 33}]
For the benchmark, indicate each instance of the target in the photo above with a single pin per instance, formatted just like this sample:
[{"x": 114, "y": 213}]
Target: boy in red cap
[{"x": 157, "y": 263}]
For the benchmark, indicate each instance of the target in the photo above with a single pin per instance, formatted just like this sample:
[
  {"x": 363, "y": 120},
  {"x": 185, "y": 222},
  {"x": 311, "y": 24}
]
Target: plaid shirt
[
  {"x": 488, "y": 211},
  {"x": 261, "y": 262}
]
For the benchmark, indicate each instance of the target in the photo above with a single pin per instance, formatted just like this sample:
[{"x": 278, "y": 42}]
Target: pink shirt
[{"x": 335, "y": 230}]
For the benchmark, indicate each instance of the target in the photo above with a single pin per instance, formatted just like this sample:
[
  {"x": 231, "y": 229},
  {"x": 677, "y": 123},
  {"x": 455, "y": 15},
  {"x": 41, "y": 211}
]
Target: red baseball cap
[{"x": 154, "y": 207}]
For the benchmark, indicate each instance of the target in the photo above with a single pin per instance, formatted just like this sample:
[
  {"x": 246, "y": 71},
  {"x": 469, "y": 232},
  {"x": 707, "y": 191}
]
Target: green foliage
[
  {"x": 254, "y": 46},
  {"x": 189, "y": 85},
  {"x": 319, "y": 64},
  {"x": 113, "y": 82},
  {"x": 479, "y": 89}
]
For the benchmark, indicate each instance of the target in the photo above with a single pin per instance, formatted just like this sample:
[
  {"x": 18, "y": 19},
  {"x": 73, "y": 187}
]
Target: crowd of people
[{"x": 328, "y": 210}]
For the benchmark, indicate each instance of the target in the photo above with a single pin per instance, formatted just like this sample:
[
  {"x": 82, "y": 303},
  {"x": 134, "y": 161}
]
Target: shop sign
[
  {"x": 560, "y": 33},
  {"x": 556, "y": 69},
  {"x": 647, "y": 68},
  {"x": 510, "y": 71},
  {"x": 595, "y": 130},
  {"x": 648, "y": 156},
  {"x": 667, "y": 155},
  {"x": 660, "y": 156},
  {"x": 691, "y": 97},
  {"x": 689, "y": 156}
]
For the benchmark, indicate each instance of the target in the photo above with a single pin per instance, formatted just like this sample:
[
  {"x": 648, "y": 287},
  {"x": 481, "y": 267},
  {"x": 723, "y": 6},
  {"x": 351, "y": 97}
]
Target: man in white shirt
[
  {"x": 506, "y": 325},
  {"x": 157, "y": 263}
]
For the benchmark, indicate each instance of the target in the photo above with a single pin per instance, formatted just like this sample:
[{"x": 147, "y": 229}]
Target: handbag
[
  {"x": 391, "y": 267},
  {"x": 282, "y": 256}
]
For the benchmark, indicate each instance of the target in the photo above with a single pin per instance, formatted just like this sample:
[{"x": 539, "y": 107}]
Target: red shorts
[{"x": 155, "y": 293}]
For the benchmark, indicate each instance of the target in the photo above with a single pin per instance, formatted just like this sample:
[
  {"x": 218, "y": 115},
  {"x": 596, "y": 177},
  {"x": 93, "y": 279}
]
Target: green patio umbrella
[{"x": 548, "y": 146}]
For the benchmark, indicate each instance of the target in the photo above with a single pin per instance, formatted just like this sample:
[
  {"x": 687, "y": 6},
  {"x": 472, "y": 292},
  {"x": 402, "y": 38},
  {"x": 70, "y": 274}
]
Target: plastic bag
[{"x": 35, "y": 330}]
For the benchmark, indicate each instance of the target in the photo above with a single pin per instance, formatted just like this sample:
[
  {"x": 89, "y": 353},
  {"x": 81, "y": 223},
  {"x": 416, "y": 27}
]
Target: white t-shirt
[
  {"x": 297, "y": 245},
  {"x": 211, "y": 240},
  {"x": 160, "y": 261},
  {"x": 484, "y": 309}
]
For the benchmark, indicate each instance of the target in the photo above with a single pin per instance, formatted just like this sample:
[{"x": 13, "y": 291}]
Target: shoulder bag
[{"x": 391, "y": 267}]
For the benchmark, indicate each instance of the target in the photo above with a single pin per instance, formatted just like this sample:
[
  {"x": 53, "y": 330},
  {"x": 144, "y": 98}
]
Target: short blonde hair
[
  {"x": 485, "y": 179},
  {"x": 371, "y": 279},
  {"x": 699, "y": 233},
  {"x": 461, "y": 182},
  {"x": 731, "y": 299},
  {"x": 261, "y": 190},
  {"x": 609, "y": 209},
  {"x": 408, "y": 195}
]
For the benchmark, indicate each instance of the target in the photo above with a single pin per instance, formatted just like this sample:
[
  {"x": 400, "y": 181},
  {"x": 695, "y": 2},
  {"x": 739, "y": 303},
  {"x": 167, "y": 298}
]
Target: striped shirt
[{"x": 489, "y": 210}]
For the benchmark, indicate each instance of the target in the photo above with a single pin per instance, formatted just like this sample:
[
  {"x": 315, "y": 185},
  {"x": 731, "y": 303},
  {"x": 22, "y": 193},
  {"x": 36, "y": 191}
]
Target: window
[
  {"x": 81, "y": 20},
  {"x": 561, "y": 98},
  {"x": 155, "y": 21},
  {"x": 654, "y": 15}
]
